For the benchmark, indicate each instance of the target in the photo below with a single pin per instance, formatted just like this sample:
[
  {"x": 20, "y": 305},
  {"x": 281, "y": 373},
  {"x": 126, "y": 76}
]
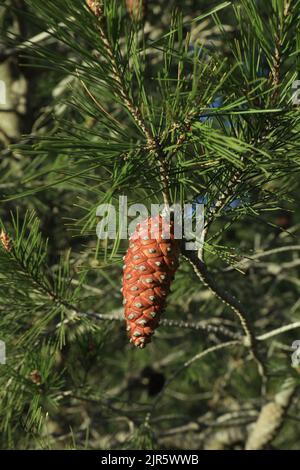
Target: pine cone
[
  {"x": 5, "y": 241},
  {"x": 150, "y": 265}
]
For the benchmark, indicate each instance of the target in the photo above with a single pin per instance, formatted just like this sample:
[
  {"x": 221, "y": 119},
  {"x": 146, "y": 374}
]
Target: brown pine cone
[{"x": 150, "y": 265}]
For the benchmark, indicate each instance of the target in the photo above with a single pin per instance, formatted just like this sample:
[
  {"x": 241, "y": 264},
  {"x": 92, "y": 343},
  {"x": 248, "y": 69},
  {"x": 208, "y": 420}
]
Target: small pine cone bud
[
  {"x": 5, "y": 240},
  {"x": 150, "y": 265},
  {"x": 35, "y": 377},
  {"x": 136, "y": 8},
  {"x": 95, "y": 7}
]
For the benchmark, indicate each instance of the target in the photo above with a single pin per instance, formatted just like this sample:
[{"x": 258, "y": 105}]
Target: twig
[
  {"x": 275, "y": 73},
  {"x": 152, "y": 141},
  {"x": 278, "y": 331},
  {"x": 229, "y": 300},
  {"x": 263, "y": 254},
  {"x": 200, "y": 326},
  {"x": 118, "y": 316}
]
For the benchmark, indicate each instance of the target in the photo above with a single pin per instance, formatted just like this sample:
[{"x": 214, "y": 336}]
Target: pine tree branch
[
  {"x": 275, "y": 73},
  {"x": 247, "y": 262},
  {"x": 229, "y": 300},
  {"x": 153, "y": 142},
  {"x": 167, "y": 323},
  {"x": 205, "y": 278}
]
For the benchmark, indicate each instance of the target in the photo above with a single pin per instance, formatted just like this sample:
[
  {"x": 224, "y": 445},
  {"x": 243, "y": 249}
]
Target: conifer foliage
[{"x": 167, "y": 103}]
